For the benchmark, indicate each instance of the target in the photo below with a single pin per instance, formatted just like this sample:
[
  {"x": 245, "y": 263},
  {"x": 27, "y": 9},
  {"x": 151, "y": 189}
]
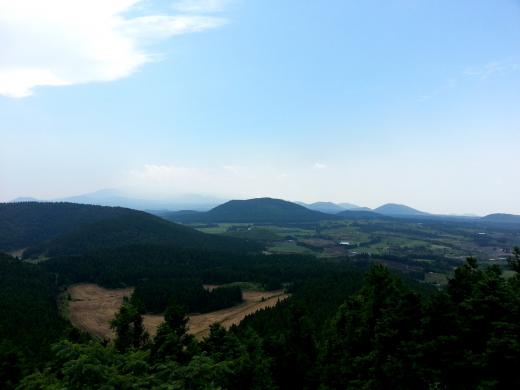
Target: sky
[{"x": 403, "y": 101}]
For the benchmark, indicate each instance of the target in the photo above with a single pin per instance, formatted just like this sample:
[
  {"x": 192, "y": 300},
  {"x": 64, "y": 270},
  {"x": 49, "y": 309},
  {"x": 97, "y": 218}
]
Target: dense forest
[
  {"x": 130, "y": 265},
  {"x": 349, "y": 321},
  {"x": 29, "y": 318},
  {"x": 58, "y": 229},
  {"x": 385, "y": 335},
  {"x": 155, "y": 295}
]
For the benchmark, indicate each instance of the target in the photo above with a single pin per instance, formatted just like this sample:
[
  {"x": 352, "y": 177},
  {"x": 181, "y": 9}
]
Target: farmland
[{"x": 425, "y": 246}]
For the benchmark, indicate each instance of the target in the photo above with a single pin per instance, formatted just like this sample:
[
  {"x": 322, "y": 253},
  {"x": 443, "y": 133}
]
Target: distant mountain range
[
  {"x": 399, "y": 210},
  {"x": 268, "y": 210},
  {"x": 259, "y": 210},
  {"x": 117, "y": 198},
  {"x": 196, "y": 208},
  {"x": 502, "y": 218},
  {"x": 323, "y": 207},
  {"x": 331, "y": 208},
  {"x": 361, "y": 214},
  {"x": 22, "y": 199},
  {"x": 390, "y": 209}
]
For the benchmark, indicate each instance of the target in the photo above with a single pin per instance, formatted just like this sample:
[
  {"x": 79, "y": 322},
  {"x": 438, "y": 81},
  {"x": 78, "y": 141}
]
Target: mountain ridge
[
  {"x": 257, "y": 210},
  {"x": 395, "y": 209},
  {"x": 54, "y": 229}
]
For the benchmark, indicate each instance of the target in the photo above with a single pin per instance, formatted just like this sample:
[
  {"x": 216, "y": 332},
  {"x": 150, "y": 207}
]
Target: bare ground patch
[{"x": 92, "y": 307}]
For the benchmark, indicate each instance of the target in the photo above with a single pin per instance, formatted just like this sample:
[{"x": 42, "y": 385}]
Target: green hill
[
  {"x": 399, "y": 210},
  {"x": 54, "y": 229},
  {"x": 502, "y": 218},
  {"x": 29, "y": 318},
  {"x": 324, "y": 207},
  {"x": 28, "y": 223},
  {"x": 259, "y": 210},
  {"x": 362, "y": 214}
]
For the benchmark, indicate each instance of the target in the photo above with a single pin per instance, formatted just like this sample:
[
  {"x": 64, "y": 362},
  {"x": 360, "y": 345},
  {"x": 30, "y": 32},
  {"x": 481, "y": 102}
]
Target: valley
[
  {"x": 308, "y": 282},
  {"x": 402, "y": 244}
]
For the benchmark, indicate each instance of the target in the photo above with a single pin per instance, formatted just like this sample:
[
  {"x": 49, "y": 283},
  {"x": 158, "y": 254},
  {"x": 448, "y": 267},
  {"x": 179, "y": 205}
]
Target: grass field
[
  {"x": 429, "y": 250},
  {"x": 91, "y": 308},
  {"x": 288, "y": 247}
]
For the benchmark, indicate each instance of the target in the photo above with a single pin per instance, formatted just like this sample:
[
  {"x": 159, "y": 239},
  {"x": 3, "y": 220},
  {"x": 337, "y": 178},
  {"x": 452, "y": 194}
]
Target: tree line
[{"x": 154, "y": 296}]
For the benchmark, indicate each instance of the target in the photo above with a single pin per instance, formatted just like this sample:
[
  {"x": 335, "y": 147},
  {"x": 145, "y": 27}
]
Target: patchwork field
[
  {"x": 421, "y": 247},
  {"x": 91, "y": 308}
]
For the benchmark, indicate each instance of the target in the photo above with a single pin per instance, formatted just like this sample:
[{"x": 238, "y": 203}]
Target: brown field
[{"x": 91, "y": 309}]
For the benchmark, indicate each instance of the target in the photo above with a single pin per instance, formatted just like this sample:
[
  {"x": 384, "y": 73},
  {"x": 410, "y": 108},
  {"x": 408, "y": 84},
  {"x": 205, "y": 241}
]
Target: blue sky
[{"x": 369, "y": 102}]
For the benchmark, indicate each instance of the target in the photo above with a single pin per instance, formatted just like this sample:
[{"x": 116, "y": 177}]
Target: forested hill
[
  {"x": 29, "y": 318},
  {"x": 362, "y": 214},
  {"x": 399, "y": 210},
  {"x": 25, "y": 224},
  {"x": 260, "y": 210},
  {"x": 502, "y": 218},
  {"x": 53, "y": 229}
]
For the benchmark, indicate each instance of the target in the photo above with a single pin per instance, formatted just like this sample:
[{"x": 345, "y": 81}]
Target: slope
[
  {"x": 259, "y": 210},
  {"x": 28, "y": 223},
  {"x": 54, "y": 229},
  {"x": 401, "y": 210}
]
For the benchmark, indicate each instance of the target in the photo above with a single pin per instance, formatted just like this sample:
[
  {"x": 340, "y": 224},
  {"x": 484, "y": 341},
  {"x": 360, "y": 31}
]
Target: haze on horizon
[{"x": 410, "y": 101}]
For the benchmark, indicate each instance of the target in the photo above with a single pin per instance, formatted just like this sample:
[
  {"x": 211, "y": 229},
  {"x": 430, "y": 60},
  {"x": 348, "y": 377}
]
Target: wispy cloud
[
  {"x": 227, "y": 180},
  {"x": 483, "y": 72},
  {"x": 64, "y": 42},
  {"x": 488, "y": 70},
  {"x": 319, "y": 165},
  {"x": 169, "y": 178},
  {"x": 449, "y": 84},
  {"x": 200, "y": 6}
]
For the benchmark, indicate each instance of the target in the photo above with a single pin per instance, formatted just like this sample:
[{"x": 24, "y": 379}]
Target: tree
[
  {"x": 129, "y": 328},
  {"x": 370, "y": 343},
  {"x": 172, "y": 340},
  {"x": 514, "y": 261}
]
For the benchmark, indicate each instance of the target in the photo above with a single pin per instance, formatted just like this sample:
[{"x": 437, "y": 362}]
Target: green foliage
[
  {"x": 173, "y": 361},
  {"x": 29, "y": 318},
  {"x": 26, "y": 224},
  {"x": 155, "y": 295},
  {"x": 514, "y": 261},
  {"x": 172, "y": 340},
  {"x": 137, "y": 228},
  {"x": 58, "y": 229},
  {"x": 129, "y": 328},
  {"x": 386, "y": 335},
  {"x": 367, "y": 343},
  {"x": 133, "y": 264}
]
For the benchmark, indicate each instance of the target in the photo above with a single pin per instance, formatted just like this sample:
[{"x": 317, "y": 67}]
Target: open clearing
[{"x": 91, "y": 308}]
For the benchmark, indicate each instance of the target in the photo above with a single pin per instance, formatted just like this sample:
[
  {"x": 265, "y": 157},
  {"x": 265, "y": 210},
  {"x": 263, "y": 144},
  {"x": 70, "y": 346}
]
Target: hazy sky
[{"x": 369, "y": 102}]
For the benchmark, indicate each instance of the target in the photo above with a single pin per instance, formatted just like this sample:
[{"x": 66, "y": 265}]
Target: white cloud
[
  {"x": 67, "y": 42},
  {"x": 319, "y": 166}
]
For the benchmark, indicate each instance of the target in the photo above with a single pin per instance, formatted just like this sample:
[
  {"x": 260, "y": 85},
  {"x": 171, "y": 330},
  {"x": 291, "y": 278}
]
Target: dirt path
[{"x": 92, "y": 307}]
